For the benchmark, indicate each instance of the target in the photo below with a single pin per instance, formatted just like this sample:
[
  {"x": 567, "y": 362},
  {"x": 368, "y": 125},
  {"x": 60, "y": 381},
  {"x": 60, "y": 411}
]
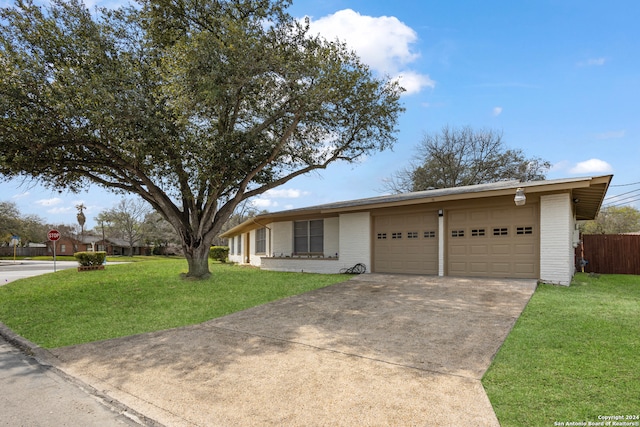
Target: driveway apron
[{"x": 375, "y": 350}]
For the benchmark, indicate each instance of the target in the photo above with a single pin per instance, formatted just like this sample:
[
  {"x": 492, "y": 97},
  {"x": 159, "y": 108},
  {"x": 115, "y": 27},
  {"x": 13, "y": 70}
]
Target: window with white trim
[
  {"x": 308, "y": 237},
  {"x": 261, "y": 241}
]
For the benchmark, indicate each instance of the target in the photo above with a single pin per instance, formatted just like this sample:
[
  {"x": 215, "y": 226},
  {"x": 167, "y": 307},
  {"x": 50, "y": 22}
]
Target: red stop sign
[{"x": 53, "y": 235}]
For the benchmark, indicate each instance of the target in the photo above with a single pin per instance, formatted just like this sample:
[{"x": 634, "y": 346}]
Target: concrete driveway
[{"x": 375, "y": 350}]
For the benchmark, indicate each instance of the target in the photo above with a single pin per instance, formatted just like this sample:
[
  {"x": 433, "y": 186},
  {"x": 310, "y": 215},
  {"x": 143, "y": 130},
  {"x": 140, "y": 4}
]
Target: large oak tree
[{"x": 194, "y": 105}]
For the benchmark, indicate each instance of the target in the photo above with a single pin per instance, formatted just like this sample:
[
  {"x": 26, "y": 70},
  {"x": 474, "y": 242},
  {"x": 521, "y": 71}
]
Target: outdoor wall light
[
  {"x": 520, "y": 199},
  {"x": 440, "y": 212}
]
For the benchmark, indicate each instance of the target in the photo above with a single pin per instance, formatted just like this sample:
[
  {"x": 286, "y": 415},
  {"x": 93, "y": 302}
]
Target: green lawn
[
  {"x": 70, "y": 307},
  {"x": 573, "y": 355}
]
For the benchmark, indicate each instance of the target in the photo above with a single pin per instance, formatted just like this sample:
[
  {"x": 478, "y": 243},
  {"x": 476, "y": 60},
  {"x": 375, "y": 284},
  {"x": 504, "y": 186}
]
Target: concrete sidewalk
[
  {"x": 37, "y": 395},
  {"x": 376, "y": 350}
]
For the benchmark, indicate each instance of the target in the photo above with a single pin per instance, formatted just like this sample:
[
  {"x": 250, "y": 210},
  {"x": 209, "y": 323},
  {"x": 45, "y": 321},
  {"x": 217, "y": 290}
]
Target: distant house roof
[{"x": 587, "y": 192}]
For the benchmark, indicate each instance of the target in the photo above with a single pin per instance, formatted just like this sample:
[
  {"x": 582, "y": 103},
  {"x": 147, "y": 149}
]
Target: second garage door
[
  {"x": 493, "y": 242},
  {"x": 406, "y": 243}
]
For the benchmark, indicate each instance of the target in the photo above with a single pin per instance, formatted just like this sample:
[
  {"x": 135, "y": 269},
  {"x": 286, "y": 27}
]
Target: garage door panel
[
  {"x": 524, "y": 249},
  {"x": 500, "y": 249},
  {"x": 458, "y": 250},
  {"x": 478, "y": 267},
  {"x": 500, "y": 268},
  {"x": 525, "y": 268},
  {"x": 500, "y": 241},
  {"x": 414, "y": 248}
]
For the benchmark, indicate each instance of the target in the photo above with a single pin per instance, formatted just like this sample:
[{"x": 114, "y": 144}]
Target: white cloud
[
  {"x": 591, "y": 166},
  {"x": 61, "y": 210},
  {"x": 614, "y": 134},
  {"x": 285, "y": 193},
  {"x": 49, "y": 202},
  {"x": 413, "y": 82},
  {"x": 20, "y": 195},
  {"x": 593, "y": 62},
  {"x": 497, "y": 111},
  {"x": 384, "y": 43},
  {"x": 266, "y": 200},
  {"x": 263, "y": 203}
]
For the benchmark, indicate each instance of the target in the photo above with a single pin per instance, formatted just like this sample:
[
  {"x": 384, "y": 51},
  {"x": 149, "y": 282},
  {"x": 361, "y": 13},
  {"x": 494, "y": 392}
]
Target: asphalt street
[{"x": 14, "y": 270}]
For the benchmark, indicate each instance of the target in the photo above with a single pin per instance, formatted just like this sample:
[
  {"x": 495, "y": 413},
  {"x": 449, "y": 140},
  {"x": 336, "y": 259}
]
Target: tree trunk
[{"x": 198, "y": 260}]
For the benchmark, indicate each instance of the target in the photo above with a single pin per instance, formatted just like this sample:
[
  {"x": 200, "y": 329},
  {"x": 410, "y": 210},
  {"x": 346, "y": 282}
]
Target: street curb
[{"x": 48, "y": 361}]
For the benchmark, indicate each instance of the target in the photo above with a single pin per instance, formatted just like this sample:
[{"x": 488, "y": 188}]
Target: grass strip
[
  {"x": 70, "y": 307},
  {"x": 572, "y": 357}
]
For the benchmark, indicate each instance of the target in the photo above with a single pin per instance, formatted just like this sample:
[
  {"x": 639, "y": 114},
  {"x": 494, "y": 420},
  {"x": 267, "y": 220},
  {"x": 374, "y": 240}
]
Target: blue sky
[{"x": 559, "y": 78}]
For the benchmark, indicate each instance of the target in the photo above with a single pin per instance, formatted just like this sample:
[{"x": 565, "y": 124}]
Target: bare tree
[
  {"x": 126, "y": 221},
  {"x": 456, "y": 157}
]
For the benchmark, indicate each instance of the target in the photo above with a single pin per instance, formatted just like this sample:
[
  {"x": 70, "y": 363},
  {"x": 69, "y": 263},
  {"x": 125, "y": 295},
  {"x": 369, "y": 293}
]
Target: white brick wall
[
  {"x": 349, "y": 236},
  {"x": 556, "y": 235},
  {"x": 355, "y": 239},
  {"x": 282, "y": 235}
]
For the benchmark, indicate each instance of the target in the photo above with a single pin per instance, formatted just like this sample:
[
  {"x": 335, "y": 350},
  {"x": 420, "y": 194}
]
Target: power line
[
  {"x": 621, "y": 202},
  {"x": 622, "y": 194},
  {"x": 625, "y": 185}
]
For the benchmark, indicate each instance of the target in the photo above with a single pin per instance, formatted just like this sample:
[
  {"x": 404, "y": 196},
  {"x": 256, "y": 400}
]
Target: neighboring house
[
  {"x": 473, "y": 231},
  {"x": 112, "y": 246}
]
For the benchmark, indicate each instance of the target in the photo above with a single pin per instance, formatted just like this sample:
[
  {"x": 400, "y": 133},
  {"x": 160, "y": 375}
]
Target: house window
[
  {"x": 457, "y": 233},
  {"x": 477, "y": 232},
  {"x": 231, "y": 242},
  {"x": 524, "y": 230},
  {"x": 396, "y": 235},
  {"x": 261, "y": 241},
  {"x": 382, "y": 236},
  {"x": 63, "y": 248},
  {"x": 308, "y": 236},
  {"x": 239, "y": 245},
  {"x": 503, "y": 231},
  {"x": 429, "y": 234}
]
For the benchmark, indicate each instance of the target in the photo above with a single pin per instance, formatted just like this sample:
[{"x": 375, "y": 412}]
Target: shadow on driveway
[{"x": 375, "y": 350}]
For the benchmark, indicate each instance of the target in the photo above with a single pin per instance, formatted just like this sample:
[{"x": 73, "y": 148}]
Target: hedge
[
  {"x": 219, "y": 253},
  {"x": 90, "y": 258}
]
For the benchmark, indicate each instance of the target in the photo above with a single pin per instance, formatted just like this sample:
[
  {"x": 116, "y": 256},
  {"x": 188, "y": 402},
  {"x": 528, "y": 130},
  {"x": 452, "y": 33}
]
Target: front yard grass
[
  {"x": 572, "y": 357},
  {"x": 70, "y": 307}
]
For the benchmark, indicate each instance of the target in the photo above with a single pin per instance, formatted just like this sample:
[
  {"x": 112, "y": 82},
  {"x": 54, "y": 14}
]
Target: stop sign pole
[{"x": 54, "y": 235}]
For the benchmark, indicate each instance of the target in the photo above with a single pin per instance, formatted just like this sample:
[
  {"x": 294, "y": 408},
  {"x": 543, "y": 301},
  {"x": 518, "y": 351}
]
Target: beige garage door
[
  {"x": 493, "y": 242},
  {"x": 406, "y": 243}
]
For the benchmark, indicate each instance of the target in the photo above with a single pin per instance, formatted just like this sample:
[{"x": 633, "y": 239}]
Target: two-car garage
[{"x": 497, "y": 241}]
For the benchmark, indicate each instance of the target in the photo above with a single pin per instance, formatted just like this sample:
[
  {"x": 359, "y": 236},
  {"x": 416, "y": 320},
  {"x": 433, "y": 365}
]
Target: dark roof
[{"x": 588, "y": 191}]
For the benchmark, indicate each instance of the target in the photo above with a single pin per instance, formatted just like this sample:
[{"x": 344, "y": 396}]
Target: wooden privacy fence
[
  {"x": 7, "y": 251},
  {"x": 610, "y": 253}
]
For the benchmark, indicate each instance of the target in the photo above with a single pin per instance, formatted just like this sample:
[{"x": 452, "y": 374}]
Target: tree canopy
[
  {"x": 194, "y": 106},
  {"x": 30, "y": 228},
  {"x": 456, "y": 157},
  {"x": 614, "y": 220}
]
